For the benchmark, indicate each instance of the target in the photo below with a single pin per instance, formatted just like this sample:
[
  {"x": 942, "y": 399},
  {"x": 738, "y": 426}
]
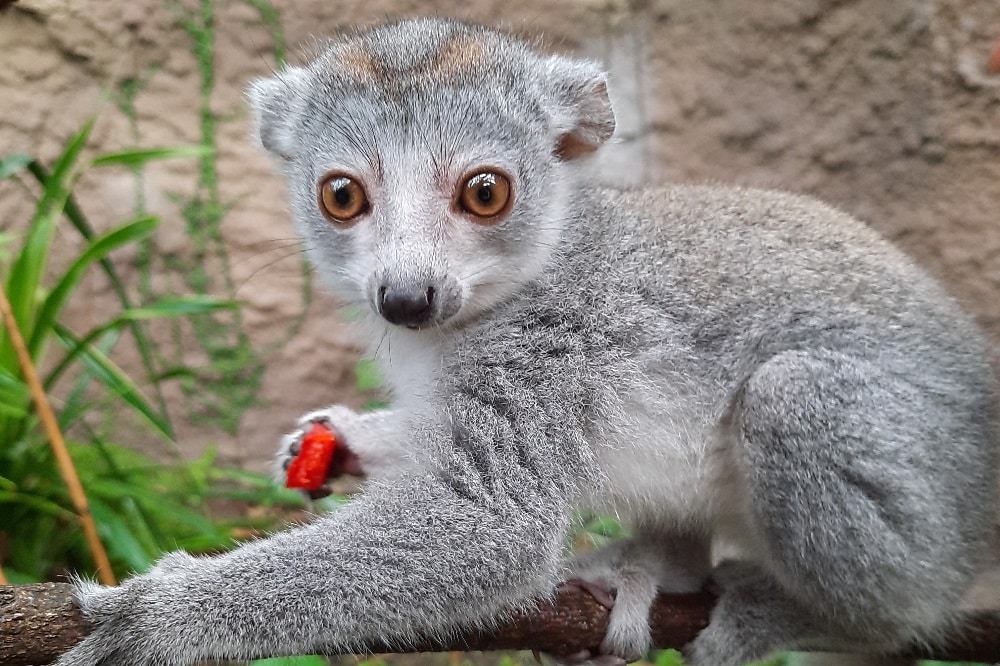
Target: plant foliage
[{"x": 141, "y": 507}]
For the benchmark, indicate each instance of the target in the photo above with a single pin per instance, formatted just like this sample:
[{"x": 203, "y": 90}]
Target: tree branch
[{"x": 39, "y": 622}]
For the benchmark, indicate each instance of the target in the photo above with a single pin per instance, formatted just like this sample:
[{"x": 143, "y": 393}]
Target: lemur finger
[{"x": 602, "y": 592}]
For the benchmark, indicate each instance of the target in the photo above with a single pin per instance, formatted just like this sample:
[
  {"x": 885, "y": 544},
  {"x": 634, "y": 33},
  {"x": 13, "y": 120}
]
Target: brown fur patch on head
[
  {"x": 456, "y": 55},
  {"x": 356, "y": 62}
]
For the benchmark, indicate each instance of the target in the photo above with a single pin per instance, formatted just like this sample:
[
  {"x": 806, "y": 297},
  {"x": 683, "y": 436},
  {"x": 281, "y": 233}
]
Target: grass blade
[
  {"x": 180, "y": 306},
  {"x": 139, "y": 156},
  {"x": 169, "y": 307},
  {"x": 37, "y": 503},
  {"x": 14, "y": 395},
  {"x": 142, "y": 342},
  {"x": 98, "y": 248},
  {"x": 122, "y": 544},
  {"x": 114, "y": 379},
  {"x": 26, "y": 272}
]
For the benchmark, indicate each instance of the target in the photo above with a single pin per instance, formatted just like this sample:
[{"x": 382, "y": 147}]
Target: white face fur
[{"x": 427, "y": 164}]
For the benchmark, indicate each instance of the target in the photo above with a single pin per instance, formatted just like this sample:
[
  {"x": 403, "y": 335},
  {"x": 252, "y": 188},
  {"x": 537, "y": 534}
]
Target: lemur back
[{"x": 707, "y": 363}]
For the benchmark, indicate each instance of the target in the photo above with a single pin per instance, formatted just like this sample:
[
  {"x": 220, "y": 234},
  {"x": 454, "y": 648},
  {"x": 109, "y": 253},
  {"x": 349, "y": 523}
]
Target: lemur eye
[
  {"x": 341, "y": 198},
  {"x": 485, "y": 194}
]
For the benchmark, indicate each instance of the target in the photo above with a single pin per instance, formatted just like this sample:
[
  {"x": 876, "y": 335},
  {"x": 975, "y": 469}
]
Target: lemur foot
[
  {"x": 752, "y": 617},
  {"x": 344, "y": 461},
  {"x": 599, "y": 590},
  {"x": 625, "y": 578},
  {"x": 605, "y": 595},
  {"x": 627, "y": 592}
]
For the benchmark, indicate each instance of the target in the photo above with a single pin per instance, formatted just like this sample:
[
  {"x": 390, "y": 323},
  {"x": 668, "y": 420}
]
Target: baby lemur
[{"x": 708, "y": 364}]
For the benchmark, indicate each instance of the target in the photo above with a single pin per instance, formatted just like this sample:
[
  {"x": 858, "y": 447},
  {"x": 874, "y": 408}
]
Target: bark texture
[{"x": 40, "y": 622}]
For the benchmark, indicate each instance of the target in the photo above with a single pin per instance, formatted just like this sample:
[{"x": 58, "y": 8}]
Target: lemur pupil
[
  {"x": 342, "y": 196},
  {"x": 484, "y": 194}
]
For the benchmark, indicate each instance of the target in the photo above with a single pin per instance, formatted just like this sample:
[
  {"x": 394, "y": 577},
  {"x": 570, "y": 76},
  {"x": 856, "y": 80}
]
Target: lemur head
[{"x": 428, "y": 162}]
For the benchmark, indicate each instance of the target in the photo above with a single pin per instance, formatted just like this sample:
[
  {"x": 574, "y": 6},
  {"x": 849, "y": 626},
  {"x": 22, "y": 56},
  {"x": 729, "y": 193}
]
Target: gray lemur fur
[{"x": 712, "y": 365}]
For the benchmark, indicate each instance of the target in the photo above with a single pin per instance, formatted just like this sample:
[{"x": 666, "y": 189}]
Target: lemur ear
[
  {"x": 275, "y": 102},
  {"x": 583, "y": 118}
]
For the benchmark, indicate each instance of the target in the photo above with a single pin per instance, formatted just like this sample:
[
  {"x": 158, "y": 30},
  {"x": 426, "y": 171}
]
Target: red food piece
[{"x": 308, "y": 470}]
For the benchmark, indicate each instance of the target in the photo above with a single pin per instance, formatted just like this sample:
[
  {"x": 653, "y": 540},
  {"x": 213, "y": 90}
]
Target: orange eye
[
  {"x": 341, "y": 198},
  {"x": 485, "y": 194}
]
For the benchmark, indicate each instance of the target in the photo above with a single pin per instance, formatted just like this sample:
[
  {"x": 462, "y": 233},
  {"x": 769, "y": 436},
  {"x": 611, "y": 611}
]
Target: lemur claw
[{"x": 602, "y": 593}]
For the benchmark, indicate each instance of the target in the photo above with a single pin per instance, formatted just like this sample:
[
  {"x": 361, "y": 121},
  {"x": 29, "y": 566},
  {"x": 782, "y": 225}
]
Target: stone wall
[{"x": 881, "y": 107}]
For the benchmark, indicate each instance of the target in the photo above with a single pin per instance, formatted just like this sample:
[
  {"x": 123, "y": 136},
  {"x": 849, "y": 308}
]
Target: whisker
[
  {"x": 279, "y": 248},
  {"x": 270, "y": 264}
]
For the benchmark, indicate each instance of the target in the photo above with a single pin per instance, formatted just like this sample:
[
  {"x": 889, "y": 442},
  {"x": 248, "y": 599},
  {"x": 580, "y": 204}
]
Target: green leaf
[
  {"x": 115, "y": 380},
  {"x": 311, "y": 660},
  {"x": 35, "y": 502},
  {"x": 12, "y": 164},
  {"x": 168, "y": 307},
  {"x": 142, "y": 342},
  {"x": 668, "y": 658},
  {"x": 78, "y": 401},
  {"x": 152, "y": 500},
  {"x": 161, "y": 510},
  {"x": 140, "y": 156},
  {"x": 116, "y": 537},
  {"x": 12, "y": 411},
  {"x": 14, "y": 395},
  {"x": 97, "y": 249},
  {"x": 18, "y": 578},
  {"x": 176, "y": 372},
  {"x": 140, "y": 527},
  {"x": 181, "y": 306},
  {"x": 26, "y": 273}
]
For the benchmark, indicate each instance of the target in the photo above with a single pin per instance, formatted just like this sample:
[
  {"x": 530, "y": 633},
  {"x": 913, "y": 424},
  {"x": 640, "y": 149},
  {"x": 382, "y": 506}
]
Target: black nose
[{"x": 406, "y": 307}]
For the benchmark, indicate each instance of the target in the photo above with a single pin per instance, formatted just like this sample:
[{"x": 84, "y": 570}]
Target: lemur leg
[
  {"x": 627, "y": 575},
  {"x": 839, "y": 459},
  {"x": 373, "y": 439}
]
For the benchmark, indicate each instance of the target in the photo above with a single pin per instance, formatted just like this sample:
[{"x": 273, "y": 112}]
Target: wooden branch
[{"x": 39, "y": 622}]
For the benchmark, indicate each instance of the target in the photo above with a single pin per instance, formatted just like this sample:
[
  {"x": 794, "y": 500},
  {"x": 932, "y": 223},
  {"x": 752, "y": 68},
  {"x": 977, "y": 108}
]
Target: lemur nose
[{"x": 406, "y": 307}]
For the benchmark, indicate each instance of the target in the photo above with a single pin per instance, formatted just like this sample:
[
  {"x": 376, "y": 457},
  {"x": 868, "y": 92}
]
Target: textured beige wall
[{"x": 880, "y": 107}]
